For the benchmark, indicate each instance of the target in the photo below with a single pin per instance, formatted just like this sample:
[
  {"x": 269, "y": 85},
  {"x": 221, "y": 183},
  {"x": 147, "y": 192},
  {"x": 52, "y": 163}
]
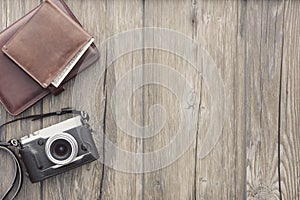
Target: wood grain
[
  {"x": 255, "y": 45},
  {"x": 221, "y": 27},
  {"x": 289, "y": 123},
  {"x": 175, "y": 181},
  {"x": 120, "y": 16},
  {"x": 264, "y": 50}
]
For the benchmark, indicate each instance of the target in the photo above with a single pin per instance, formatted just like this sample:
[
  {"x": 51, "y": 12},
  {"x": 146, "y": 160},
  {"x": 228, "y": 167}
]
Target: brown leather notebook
[
  {"x": 18, "y": 90},
  {"x": 48, "y": 45}
]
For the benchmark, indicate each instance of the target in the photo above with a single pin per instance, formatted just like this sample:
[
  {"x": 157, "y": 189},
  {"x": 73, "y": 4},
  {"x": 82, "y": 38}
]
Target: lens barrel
[{"x": 61, "y": 148}]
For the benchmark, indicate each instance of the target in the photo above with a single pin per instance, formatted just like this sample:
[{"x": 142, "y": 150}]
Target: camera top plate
[{"x": 56, "y": 128}]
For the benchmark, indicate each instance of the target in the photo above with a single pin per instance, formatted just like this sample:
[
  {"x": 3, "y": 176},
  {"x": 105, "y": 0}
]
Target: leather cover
[
  {"x": 18, "y": 91},
  {"x": 46, "y": 43}
]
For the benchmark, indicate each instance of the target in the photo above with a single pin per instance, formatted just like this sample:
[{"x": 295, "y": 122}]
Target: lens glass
[{"x": 60, "y": 149}]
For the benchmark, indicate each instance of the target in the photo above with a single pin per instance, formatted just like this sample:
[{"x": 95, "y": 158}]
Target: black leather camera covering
[{"x": 39, "y": 166}]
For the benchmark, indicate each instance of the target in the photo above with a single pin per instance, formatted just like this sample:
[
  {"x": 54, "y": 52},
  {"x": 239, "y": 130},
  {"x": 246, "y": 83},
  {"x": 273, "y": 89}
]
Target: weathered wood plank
[
  {"x": 221, "y": 174},
  {"x": 11, "y": 11},
  {"x": 290, "y": 99},
  {"x": 121, "y": 16},
  {"x": 264, "y": 55},
  {"x": 175, "y": 181}
]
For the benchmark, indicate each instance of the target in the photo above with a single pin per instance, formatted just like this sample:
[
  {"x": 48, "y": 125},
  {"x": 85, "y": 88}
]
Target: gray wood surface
[
  {"x": 265, "y": 35},
  {"x": 255, "y": 46}
]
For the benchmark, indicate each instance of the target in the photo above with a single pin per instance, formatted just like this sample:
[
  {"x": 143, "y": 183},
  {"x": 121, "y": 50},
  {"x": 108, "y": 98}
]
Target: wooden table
[{"x": 255, "y": 47}]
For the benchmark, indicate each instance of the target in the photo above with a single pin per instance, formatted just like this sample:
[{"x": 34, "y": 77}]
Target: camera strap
[
  {"x": 14, "y": 143},
  {"x": 18, "y": 174},
  {"x": 63, "y": 111}
]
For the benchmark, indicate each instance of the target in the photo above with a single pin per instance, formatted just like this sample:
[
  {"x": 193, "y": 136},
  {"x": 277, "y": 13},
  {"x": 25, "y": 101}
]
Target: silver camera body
[{"x": 58, "y": 148}]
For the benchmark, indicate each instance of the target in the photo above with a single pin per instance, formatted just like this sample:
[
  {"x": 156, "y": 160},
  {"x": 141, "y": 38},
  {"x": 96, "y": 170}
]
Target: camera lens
[{"x": 61, "y": 148}]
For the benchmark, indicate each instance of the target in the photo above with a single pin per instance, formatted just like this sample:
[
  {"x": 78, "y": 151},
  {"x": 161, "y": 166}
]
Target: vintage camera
[{"x": 58, "y": 148}]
